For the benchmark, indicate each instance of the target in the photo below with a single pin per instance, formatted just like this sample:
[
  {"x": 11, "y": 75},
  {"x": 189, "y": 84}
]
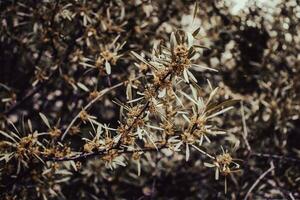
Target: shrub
[{"x": 148, "y": 99}]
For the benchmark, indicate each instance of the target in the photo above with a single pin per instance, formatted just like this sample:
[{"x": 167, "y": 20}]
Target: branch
[
  {"x": 276, "y": 157},
  {"x": 117, "y": 146},
  {"x": 101, "y": 93},
  {"x": 100, "y": 153},
  {"x": 146, "y": 106},
  {"x": 258, "y": 180},
  {"x": 245, "y": 134}
]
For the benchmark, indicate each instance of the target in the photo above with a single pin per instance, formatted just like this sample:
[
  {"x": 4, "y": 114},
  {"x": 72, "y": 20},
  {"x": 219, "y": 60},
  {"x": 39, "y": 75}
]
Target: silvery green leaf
[
  {"x": 119, "y": 161},
  {"x": 86, "y": 65},
  {"x": 206, "y": 138},
  {"x": 162, "y": 93},
  {"x": 117, "y": 138},
  {"x": 29, "y": 125},
  {"x": 187, "y": 96},
  {"x": 187, "y": 152},
  {"x": 73, "y": 165},
  {"x": 217, "y": 174},
  {"x": 107, "y": 67},
  {"x": 63, "y": 172},
  {"x": 201, "y": 140},
  {"x": 47, "y": 171},
  {"x": 129, "y": 91},
  {"x": 203, "y": 152},
  {"x": 15, "y": 128},
  {"x": 173, "y": 42},
  {"x": 194, "y": 91},
  {"x": 115, "y": 40},
  {"x": 83, "y": 87},
  {"x": 192, "y": 76},
  {"x": 139, "y": 133},
  {"x": 177, "y": 146},
  {"x": 186, "y": 118},
  {"x": 185, "y": 75},
  {"x": 195, "y": 66},
  {"x": 45, "y": 120},
  {"x": 178, "y": 99},
  {"x": 211, "y": 108},
  {"x": 211, "y": 95},
  {"x": 209, "y": 165},
  {"x": 220, "y": 112},
  {"x": 6, "y": 157},
  {"x": 140, "y": 58},
  {"x": 138, "y": 167},
  {"x": 151, "y": 139},
  {"x": 99, "y": 131},
  {"x": 200, "y": 105},
  {"x": 213, "y": 132},
  {"x": 135, "y": 100},
  {"x": 190, "y": 40},
  {"x": 154, "y": 127},
  {"x": 62, "y": 180},
  {"x": 209, "y": 84},
  {"x": 4, "y": 100}
]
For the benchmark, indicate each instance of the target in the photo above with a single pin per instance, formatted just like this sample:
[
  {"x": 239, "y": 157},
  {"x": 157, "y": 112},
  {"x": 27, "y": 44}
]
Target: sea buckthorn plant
[
  {"x": 148, "y": 100},
  {"x": 165, "y": 109}
]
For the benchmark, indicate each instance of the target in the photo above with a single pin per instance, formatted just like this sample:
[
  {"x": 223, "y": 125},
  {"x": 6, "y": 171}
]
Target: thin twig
[
  {"x": 259, "y": 179},
  {"x": 99, "y": 153},
  {"x": 276, "y": 157},
  {"x": 245, "y": 131},
  {"x": 101, "y": 93}
]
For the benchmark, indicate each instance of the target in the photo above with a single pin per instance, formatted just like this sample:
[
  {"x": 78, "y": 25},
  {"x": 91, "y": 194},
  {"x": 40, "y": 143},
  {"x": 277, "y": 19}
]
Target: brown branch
[
  {"x": 146, "y": 106},
  {"x": 117, "y": 146},
  {"x": 275, "y": 157},
  {"x": 100, "y": 153},
  {"x": 245, "y": 131},
  {"x": 258, "y": 180}
]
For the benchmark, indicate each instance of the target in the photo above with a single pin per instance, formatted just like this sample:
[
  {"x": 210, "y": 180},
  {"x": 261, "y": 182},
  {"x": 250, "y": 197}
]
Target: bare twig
[
  {"x": 245, "y": 131},
  {"x": 276, "y": 157},
  {"x": 100, "y": 153},
  {"x": 258, "y": 180}
]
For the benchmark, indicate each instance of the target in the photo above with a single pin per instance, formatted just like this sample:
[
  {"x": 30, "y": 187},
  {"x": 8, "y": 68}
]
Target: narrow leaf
[
  {"x": 45, "y": 120},
  {"x": 83, "y": 87},
  {"x": 107, "y": 67}
]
